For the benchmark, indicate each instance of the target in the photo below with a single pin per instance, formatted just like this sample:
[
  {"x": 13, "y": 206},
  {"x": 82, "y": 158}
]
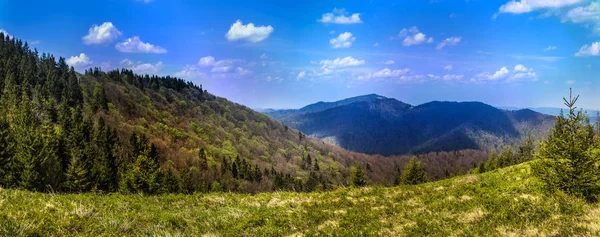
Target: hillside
[
  {"x": 117, "y": 131},
  {"x": 505, "y": 202},
  {"x": 387, "y": 126}
]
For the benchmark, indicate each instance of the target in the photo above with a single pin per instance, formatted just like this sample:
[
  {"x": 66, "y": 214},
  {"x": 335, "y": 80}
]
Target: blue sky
[{"x": 287, "y": 54}]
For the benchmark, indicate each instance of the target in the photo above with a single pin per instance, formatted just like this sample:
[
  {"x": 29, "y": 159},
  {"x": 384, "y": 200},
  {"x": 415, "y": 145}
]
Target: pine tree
[
  {"x": 568, "y": 160},
  {"x": 413, "y": 173}
]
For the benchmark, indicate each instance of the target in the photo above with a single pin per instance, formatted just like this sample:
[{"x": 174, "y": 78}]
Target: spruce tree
[
  {"x": 76, "y": 177},
  {"x": 357, "y": 176},
  {"x": 413, "y": 173},
  {"x": 568, "y": 160},
  {"x": 7, "y": 162}
]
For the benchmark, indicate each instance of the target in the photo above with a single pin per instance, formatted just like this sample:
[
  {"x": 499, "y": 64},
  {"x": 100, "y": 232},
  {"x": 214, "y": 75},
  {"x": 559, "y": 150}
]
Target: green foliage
[
  {"x": 216, "y": 187},
  {"x": 568, "y": 160},
  {"x": 76, "y": 180},
  {"x": 413, "y": 173},
  {"x": 142, "y": 176},
  {"x": 357, "y": 176},
  {"x": 507, "y": 157},
  {"x": 99, "y": 98}
]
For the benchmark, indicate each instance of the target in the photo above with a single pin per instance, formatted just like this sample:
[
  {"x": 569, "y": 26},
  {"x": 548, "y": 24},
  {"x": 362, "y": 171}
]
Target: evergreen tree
[
  {"x": 76, "y": 177},
  {"x": 413, "y": 173},
  {"x": 99, "y": 98},
  {"x": 7, "y": 162},
  {"x": 141, "y": 177},
  {"x": 170, "y": 183},
  {"x": 357, "y": 176},
  {"x": 568, "y": 160},
  {"x": 397, "y": 174}
]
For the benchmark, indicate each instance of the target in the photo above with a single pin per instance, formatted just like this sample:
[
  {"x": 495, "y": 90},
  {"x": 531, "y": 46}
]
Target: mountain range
[{"x": 375, "y": 124}]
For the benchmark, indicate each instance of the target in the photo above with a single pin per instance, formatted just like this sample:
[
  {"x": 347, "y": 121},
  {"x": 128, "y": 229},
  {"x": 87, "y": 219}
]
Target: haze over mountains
[{"x": 375, "y": 124}]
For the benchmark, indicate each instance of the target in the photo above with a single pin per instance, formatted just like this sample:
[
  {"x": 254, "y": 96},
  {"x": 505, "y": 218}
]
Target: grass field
[{"x": 506, "y": 202}]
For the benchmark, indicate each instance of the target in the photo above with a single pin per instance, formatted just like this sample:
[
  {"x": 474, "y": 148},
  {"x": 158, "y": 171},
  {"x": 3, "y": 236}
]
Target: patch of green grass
[{"x": 507, "y": 201}]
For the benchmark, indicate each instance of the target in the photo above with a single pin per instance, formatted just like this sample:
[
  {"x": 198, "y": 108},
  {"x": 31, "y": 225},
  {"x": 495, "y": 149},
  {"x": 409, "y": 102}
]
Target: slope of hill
[
  {"x": 320, "y": 106},
  {"x": 505, "y": 202},
  {"x": 387, "y": 126},
  {"x": 119, "y": 131}
]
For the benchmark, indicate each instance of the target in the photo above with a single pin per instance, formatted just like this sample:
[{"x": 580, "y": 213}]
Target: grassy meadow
[{"x": 505, "y": 202}]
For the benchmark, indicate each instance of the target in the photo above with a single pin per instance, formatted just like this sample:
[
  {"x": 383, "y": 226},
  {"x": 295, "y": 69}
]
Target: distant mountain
[
  {"x": 553, "y": 111},
  {"x": 320, "y": 106},
  {"x": 374, "y": 124}
]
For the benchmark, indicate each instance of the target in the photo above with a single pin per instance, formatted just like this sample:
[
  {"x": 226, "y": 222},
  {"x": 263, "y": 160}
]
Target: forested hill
[
  {"x": 119, "y": 131},
  {"x": 375, "y": 124}
]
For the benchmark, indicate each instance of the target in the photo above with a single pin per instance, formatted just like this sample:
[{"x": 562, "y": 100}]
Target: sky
[{"x": 287, "y": 54}]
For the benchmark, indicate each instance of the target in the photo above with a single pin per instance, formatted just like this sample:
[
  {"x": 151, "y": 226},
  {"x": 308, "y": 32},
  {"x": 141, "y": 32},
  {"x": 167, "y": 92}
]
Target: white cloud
[
  {"x": 413, "y": 37},
  {"x": 340, "y": 16},
  {"x": 520, "y": 68},
  {"x": 344, "y": 40},
  {"x": 249, "y": 32},
  {"x": 264, "y": 56},
  {"x": 5, "y": 33},
  {"x": 500, "y": 73},
  {"x": 221, "y": 69},
  {"x": 341, "y": 62},
  {"x": 524, "y": 6},
  {"x": 242, "y": 72},
  {"x": 126, "y": 62},
  {"x": 388, "y": 62},
  {"x": 448, "y": 68},
  {"x": 590, "y": 13},
  {"x": 376, "y": 44},
  {"x": 550, "y": 48},
  {"x": 135, "y": 45},
  {"x": 570, "y": 82},
  {"x": 301, "y": 75},
  {"x": 589, "y": 50},
  {"x": 452, "y": 77},
  {"x": 35, "y": 42},
  {"x": 146, "y": 68},
  {"x": 449, "y": 41},
  {"x": 519, "y": 73},
  {"x": 79, "y": 61},
  {"x": 209, "y": 61},
  {"x": 190, "y": 72},
  {"x": 102, "y": 34},
  {"x": 386, "y": 72},
  {"x": 536, "y": 57}
]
